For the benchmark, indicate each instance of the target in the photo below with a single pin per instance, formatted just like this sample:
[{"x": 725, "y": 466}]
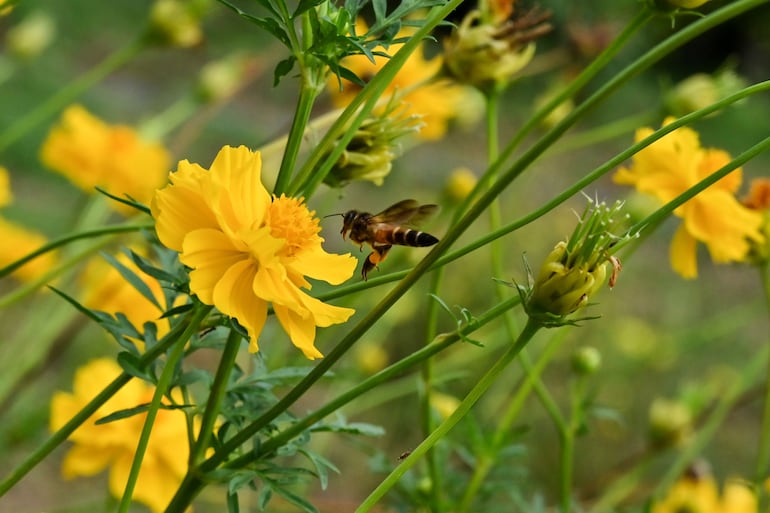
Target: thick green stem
[
  {"x": 467, "y": 403},
  {"x": 89, "y": 409},
  {"x": 763, "y": 453},
  {"x": 69, "y": 92},
  {"x": 307, "y": 95},
  {"x": 217, "y": 393}
]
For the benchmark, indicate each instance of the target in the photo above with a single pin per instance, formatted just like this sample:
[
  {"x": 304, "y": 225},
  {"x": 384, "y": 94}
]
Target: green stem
[
  {"x": 89, "y": 409},
  {"x": 61, "y": 241},
  {"x": 69, "y": 92},
  {"x": 763, "y": 454},
  {"x": 426, "y": 410},
  {"x": 194, "y": 481},
  {"x": 169, "y": 369},
  {"x": 486, "y": 460},
  {"x": 217, "y": 393},
  {"x": 307, "y": 95},
  {"x": 467, "y": 403}
]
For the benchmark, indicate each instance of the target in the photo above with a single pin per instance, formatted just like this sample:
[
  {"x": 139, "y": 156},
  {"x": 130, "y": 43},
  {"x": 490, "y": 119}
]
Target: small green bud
[
  {"x": 671, "y": 422},
  {"x": 701, "y": 90},
  {"x": 31, "y": 36},
  {"x": 586, "y": 360},
  {"x": 486, "y": 51}
]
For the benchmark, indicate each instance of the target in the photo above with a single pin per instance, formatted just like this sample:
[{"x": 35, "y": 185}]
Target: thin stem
[
  {"x": 426, "y": 410},
  {"x": 61, "y": 241},
  {"x": 70, "y": 91},
  {"x": 89, "y": 409},
  {"x": 217, "y": 393},
  {"x": 462, "y": 410},
  {"x": 763, "y": 453},
  {"x": 169, "y": 369}
]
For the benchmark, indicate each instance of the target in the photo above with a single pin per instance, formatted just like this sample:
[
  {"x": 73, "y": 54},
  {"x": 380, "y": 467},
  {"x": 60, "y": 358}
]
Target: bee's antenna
[{"x": 332, "y": 215}]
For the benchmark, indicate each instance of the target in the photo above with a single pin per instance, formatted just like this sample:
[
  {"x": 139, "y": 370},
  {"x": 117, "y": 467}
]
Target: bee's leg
[{"x": 374, "y": 258}]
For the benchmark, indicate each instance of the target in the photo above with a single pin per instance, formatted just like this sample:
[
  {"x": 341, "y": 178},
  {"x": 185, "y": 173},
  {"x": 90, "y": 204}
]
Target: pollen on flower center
[{"x": 289, "y": 219}]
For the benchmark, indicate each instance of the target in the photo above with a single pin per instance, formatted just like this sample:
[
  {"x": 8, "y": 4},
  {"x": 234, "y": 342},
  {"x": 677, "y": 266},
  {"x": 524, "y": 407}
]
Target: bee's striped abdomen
[{"x": 409, "y": 237}]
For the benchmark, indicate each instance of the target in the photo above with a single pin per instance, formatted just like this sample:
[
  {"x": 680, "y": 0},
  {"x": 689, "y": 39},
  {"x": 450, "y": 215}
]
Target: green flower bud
[
  {"x": 485, "y": 52},
  {"x": 577, "y": 268},
  {"x": 586, "y": 360},
  {"x": 701, "y": 90},
  {"x": 671, "y": 422},
  {"x": 31, "y": 36},
  {"x": 370, "y": 153}
]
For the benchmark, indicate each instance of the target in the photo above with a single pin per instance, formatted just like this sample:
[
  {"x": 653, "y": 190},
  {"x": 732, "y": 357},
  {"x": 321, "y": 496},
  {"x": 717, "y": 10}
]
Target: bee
[{"x": 389, "y": 227}]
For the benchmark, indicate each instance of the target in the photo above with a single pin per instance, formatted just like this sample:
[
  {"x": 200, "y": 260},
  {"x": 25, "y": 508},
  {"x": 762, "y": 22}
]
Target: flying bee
[{"x": 389, "y": 227}]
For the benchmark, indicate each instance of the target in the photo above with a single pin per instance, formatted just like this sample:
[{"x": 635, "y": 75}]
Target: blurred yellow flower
[
  {"x": 460, "y": 183},
  {"x": 673, "y": 164},
  {"x": 6, "y": 197},
  {"x": 247, "y": 249},
  {"x": 18, "y": 242},
  {"x": 444, "y": 404},
  {"x": 699, "y": 494},
  {"x": 91, "y": 153},
  {"x": 177, "y": 22},
  {"x": 98, "y": 446},
  {"x": 435, "y": 100}
]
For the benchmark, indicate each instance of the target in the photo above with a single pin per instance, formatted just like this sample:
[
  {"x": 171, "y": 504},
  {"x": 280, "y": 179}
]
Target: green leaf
[
  {"x": 283, "y": 68},
  {"x": 305, "y": 5},
  {"x": 134, "y": 279},
  {"x": 126, "y": 201},
  {"x": 232, "y": 503},
  {"x": 296, "y": 500},
  {"x": 150, "y": 269},
  {"x": 133, "y": 366},
  {"x": 321, "y": 464},
  {"x": 353, "y": 428},
  {"x": 269, "y": 24},
  {"x": 93, "y": 315}
]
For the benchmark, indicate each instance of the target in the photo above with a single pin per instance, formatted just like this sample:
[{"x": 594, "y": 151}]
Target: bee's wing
[{"x": 408, "y": 211}]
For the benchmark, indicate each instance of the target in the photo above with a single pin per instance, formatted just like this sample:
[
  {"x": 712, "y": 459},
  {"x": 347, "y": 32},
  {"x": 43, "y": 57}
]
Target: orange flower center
[{"x": 290, "y": 220}]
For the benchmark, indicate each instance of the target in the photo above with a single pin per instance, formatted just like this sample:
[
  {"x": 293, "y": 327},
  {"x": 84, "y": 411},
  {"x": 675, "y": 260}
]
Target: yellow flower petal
[
  {"x": 301, "y": 330},
  {"x": 683, "y": 253},
  {"x": 319, "y": 265}
]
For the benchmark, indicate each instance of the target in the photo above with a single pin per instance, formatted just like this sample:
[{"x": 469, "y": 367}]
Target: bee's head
[{"x": 347, "y": 221}]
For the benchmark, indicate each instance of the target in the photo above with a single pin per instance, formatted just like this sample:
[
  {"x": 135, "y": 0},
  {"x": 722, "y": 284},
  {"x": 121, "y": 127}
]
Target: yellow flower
[
  {"x": 700, "y": 494},
  {"x": 18, "y": 242},
  {"x": 460, "y": 183},
  {"x": 436, "y": 101},
  {"x": 98, "y": 446},
  {"x": 91, "y": 153},
  {"x": 673, "y": 164},
  {"x": 247, "y": 249},
  {"x": 6, "y": 197}
]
